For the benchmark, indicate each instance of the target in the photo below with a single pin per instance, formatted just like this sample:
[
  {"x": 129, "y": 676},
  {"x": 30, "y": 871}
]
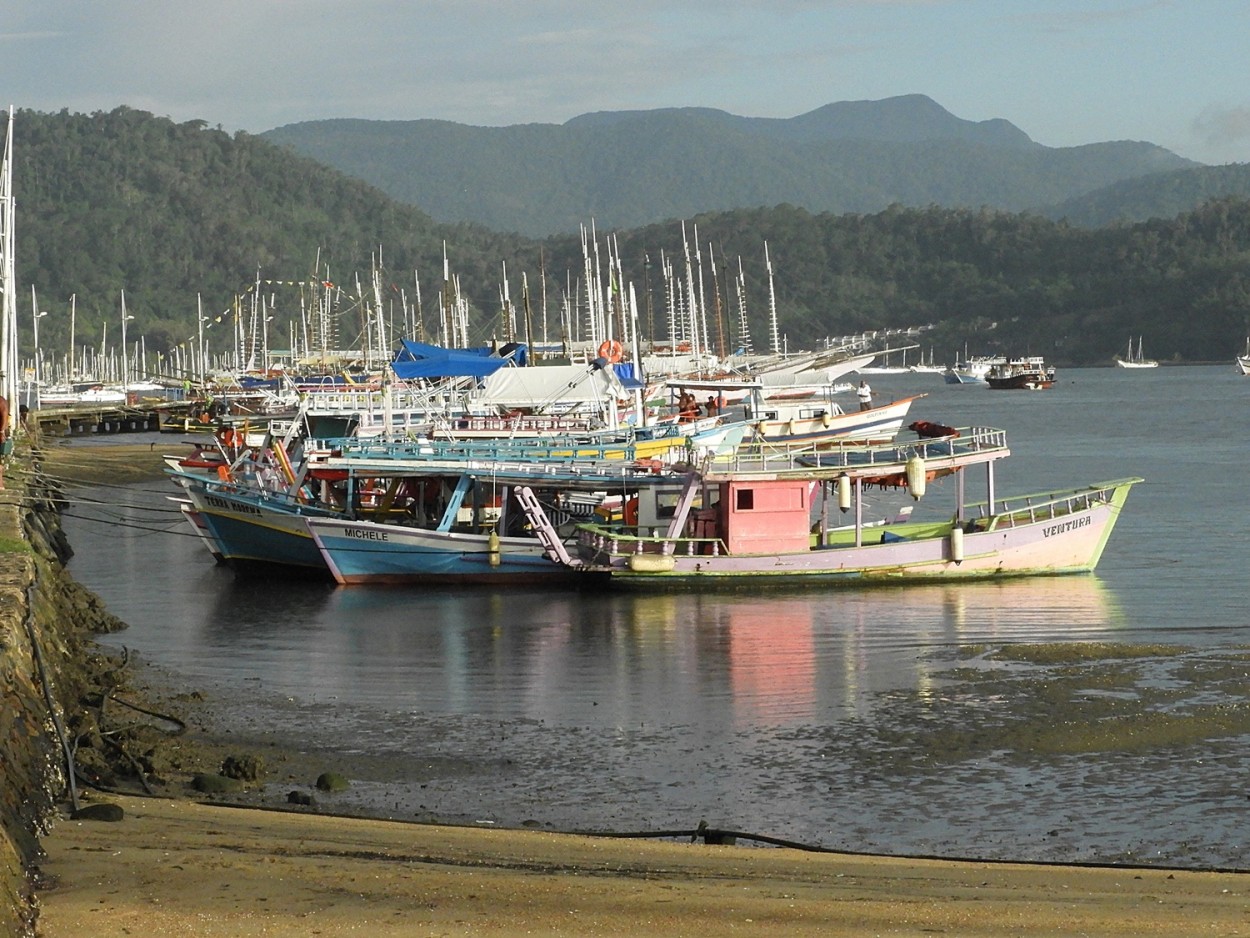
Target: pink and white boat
[{"x": 766, "y": 520}]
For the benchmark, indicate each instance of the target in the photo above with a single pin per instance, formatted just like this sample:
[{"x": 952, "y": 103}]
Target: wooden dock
[{"x": 86, "y": 419}]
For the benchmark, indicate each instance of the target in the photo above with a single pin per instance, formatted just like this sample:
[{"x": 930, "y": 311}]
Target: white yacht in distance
[{"x": 1135, "y": 359}]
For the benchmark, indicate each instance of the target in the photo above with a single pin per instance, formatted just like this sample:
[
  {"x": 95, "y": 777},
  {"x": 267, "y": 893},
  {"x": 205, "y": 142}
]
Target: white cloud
[{"x": 1225, "y": 132}]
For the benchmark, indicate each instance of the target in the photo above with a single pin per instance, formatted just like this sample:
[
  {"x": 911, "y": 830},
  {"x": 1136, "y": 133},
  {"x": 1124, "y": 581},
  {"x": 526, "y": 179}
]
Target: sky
[{"x": 1067, "y": 72}]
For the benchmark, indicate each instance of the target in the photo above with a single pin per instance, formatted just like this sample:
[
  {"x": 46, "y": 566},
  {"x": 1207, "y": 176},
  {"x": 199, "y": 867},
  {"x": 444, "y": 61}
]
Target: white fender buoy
[
  {"x": 915, "y": 477},
  {"x": 957, "y": 544},
  {"x": 761, "y": 428},
  {"x": 826, "y": 420},
  {"x": 844, "y": 492},
  {"x": 492, "y": 549},
  {"x": 790, "y": 428}
]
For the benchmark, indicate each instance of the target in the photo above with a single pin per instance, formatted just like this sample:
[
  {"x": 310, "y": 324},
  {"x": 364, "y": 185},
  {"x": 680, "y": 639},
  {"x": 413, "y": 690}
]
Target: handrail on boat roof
[{"x": 1012, "y": 503}]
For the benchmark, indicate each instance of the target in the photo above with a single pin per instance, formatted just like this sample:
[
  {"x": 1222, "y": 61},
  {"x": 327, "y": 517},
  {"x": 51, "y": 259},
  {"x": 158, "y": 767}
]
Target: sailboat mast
[
  {"x": 8, "y": 281},
  {"x": 775, "y": 335}
]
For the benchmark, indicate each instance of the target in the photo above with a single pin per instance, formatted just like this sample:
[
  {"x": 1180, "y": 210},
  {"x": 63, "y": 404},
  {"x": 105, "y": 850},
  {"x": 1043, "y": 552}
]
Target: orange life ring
[
  {"x": 631, "y": 512},
  {"x": 611, "y": 349}
]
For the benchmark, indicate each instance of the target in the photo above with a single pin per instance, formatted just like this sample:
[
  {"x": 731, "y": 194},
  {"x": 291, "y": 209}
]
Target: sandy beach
[{"x": 176, "y": 867}]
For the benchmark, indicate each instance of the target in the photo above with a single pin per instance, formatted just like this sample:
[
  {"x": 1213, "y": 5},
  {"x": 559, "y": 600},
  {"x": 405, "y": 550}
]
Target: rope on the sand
[
  {"x": 181, "y": 724},
  {"x": 55, "y": 713},
  {"x": 108, "y": 735},
  {"x": 710, "y": 835}
]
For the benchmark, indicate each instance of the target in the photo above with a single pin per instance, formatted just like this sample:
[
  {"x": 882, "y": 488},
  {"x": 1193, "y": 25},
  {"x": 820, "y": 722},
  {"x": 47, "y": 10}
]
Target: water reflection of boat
[
  {"x": 1031, "y": 609},
  {"x": 767, "y": 660},
  {"x": 772, "y": 671}
]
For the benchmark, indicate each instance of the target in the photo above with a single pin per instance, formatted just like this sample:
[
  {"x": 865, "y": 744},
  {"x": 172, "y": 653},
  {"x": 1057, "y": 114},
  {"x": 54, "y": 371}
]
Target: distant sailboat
[
  {"x": 1135, "y": 359},
  {"x": 1243, "y": 361}
]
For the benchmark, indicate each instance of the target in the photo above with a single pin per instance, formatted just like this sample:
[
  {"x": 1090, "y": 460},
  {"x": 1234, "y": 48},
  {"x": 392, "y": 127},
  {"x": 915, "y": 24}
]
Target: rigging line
[
  {"x": 117, "y": 512},
  {"x": 49, "y": 479},
  {"x": 172, "y": 529},
  {"x": 36, "y": 503},
  {"x": 51, "y": 467},
  {"x": 99, "y": 512},
  {"x": 55, "y": 492}
]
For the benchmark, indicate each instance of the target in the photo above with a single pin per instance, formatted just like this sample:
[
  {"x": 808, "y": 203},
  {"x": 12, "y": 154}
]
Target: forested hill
[
  {"x": 626, "y": 169},
  {"x": 1159, "y": 195},
  {"x": 127, "y": 201},
  {"x": 168, "y": 212}
]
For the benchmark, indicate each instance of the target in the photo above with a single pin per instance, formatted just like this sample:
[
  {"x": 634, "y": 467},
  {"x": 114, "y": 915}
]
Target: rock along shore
[{"x": 49, "y": 667}]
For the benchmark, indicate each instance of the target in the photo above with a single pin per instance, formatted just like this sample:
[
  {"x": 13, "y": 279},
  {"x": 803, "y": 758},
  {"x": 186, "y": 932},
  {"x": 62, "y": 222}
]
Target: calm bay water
[{"x": 976, "y": 720}]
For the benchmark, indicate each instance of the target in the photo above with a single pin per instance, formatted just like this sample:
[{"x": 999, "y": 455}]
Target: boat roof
[
  {"x": 762, "y": 461},
  {"x": 757, "y": 461}
]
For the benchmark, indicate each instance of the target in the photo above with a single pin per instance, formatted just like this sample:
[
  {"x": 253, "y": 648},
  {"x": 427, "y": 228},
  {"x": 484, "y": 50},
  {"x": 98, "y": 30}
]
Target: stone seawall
[{"x": 49, "y": 667}]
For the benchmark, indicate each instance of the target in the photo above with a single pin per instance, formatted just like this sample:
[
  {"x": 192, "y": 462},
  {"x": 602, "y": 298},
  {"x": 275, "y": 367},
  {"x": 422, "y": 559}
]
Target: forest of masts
[{"x": 597, "y": 305}]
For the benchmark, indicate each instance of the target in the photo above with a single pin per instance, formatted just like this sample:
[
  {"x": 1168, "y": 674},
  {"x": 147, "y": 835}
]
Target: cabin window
[{"x": 745, "y": 500}]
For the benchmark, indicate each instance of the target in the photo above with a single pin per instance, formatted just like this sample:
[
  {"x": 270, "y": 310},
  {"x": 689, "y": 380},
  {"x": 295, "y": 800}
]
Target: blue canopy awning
[
  {"x": 421, "y": 360},
  {"x": 627, "y": 373}
]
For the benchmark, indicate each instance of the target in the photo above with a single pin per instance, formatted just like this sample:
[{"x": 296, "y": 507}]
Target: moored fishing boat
[
  {"x": 417, "y": 511},
  {"x": 970, "y": 370},
  {"x": 1030, "y": 373},
  {"x": 824, "y": 423},
  {"x": 739, "y": 521},
  {"x": 255, "y": 530},
  {"x": 359, "y": 552}
]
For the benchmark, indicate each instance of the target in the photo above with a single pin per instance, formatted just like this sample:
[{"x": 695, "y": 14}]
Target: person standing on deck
[{"x": 864, "y": 393}]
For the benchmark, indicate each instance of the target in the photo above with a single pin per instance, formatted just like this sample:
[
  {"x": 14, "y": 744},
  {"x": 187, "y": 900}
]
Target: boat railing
[
  {"x": 556, "y": 450},
  {"x": 1029, "y": 509},
  {"x": 555, "y": 471},
  {"x": 804, "y": 457},
  {"x": 617, "y": 542}
]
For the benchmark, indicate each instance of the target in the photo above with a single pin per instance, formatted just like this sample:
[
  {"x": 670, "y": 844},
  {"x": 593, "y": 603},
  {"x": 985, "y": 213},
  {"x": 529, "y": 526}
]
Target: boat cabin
[
  {"x": 738, "y": 516},
  {"x": 764, "y": 517}
]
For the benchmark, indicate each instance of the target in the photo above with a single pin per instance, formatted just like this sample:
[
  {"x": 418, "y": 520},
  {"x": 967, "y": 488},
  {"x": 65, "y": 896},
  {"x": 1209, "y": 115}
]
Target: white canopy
[{"x": 553, "y": 388}]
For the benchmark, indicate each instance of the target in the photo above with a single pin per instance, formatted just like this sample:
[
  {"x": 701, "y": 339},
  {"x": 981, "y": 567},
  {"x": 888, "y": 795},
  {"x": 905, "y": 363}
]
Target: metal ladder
[{"x": 553, "y": 547}]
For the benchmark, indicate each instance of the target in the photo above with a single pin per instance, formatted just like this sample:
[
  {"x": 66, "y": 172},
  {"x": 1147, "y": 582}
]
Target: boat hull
[
  {"x": 251, "y": 538},
  {"x": 1015, "y": 545},
  {"x": 1023, "y": 382},
  {"x": 877, "y": 425},
  {"x": 953, "y": 376},
  {"x": 362, "y": 552}
]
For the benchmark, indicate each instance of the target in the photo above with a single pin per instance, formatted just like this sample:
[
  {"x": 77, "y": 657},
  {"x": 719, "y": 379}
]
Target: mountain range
[
  {"x": 625, "y": 169},
  {"x": 195, "y": 225}
]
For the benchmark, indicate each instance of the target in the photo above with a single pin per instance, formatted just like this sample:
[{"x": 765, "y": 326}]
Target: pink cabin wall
[{"x": 765, "y": 517}]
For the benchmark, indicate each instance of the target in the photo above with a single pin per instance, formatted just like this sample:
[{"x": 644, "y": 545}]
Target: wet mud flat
[
  {"x": 1065, "y": 752},
  {"x": 1058, "y": 752}
]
